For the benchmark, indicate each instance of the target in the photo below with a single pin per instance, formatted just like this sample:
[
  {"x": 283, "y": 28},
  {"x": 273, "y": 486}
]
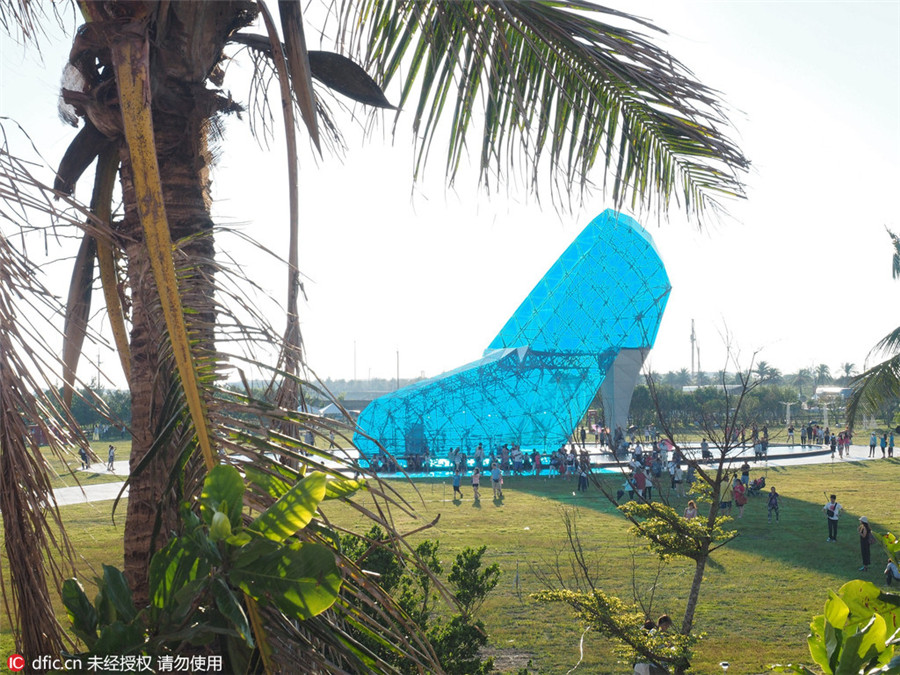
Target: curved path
[{"x": 778, "y": 456}]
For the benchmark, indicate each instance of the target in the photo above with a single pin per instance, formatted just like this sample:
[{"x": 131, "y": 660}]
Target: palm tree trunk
[{"x": 183, "y": 159}]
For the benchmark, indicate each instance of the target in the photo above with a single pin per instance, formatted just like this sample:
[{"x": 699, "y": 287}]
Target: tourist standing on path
[
  {"x": 832, "y": 512},
  {"x": 865, "y": 539},
  {"x": 891, "y": 445},
  {"x": 110, "y": 464},
  {"x": 773, "y": 504},
  {"x": 791, "y": 436},
  {"x": 873, "y": 439},
  {"x": 883, "y": 444},
  {"x": 476, "y": 483}
]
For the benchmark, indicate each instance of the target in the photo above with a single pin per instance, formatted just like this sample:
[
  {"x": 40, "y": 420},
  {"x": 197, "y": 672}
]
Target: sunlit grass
[{"x": 755, "y": 605}]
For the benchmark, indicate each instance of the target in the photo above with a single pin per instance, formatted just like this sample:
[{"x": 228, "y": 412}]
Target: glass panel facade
[{"x": 539, "y": 375}]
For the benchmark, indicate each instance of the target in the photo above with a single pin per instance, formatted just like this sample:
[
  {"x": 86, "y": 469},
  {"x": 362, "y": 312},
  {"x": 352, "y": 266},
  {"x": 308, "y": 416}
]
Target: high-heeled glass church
[{"x": 586, "y": 326}]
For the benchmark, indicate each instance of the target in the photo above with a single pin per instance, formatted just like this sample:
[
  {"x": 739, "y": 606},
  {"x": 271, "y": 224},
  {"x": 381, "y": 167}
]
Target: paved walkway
[
  {"x": 94, "y": 493},
  {"x": 777, "y": 457}
]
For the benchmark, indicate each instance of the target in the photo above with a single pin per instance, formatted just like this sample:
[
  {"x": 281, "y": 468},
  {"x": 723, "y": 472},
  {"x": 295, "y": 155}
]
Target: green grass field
[{"x": 755, "y": 604}]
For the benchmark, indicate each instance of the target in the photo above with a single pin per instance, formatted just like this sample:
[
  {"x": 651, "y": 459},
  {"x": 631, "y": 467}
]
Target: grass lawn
[
  {"x": 755, "y": 604},
  {"x": 756, "y": 601}
]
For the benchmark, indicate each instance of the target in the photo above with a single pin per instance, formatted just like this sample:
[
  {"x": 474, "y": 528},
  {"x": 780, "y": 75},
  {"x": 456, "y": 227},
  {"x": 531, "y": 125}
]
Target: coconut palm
[
  {"x": 804, "y": 376},
  {"x": 566, "y": 91},
  {"x": 880, "y": 384}
]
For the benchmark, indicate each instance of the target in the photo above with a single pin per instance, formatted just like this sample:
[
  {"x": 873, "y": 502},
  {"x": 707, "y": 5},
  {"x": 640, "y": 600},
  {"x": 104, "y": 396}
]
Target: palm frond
[
  {"x": 571, "y": 82},
  {"x": 36, "y": 547},
  {"x": 873, "y": 387},
  {"x": 895, "y": 259}
]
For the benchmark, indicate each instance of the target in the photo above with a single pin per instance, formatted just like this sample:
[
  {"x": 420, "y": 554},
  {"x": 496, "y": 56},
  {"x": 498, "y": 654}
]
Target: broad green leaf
[
  {"x": 850, "y": 662},
  {"x": 80, "y": 611},
  {"x": 836, "y": 610},
  {"x": 171, "y": 568},
  {"x": 272, "y": 485},
  {"x": 342, "y": 487},
  {"x": 184, "y": 602},
  {"x": 232, "y": 610},
  {"x": 301, "y": 579},
  {"x": 239, "y": 539},
  {"x": 874, "y": 637},
  {"x": 106, "y": 611},
  {"x": 834, "y": 640},
  {"x": 118, "y": 593},
  {"x": 816, "y": 641},
  {"x": 294, "y": 510},
  {"x": 120, "y": 639},
  {"x": 223, "y": 490},
  {"x": 864, "y": 599},
  {"x": 220, "y": 528}
]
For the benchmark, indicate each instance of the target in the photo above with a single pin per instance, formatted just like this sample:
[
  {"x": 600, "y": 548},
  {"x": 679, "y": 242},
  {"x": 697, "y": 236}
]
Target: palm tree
[
  {"x": 803, "y": 377},
  {"x": 561, "y": 83},
  {"x": 823, "y": 374},
  {"x": 880, "y": 384},
  {"x": 849, "y": 370}
]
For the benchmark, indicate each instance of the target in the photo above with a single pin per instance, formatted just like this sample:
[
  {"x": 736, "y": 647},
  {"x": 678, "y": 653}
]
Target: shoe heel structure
[{"x": 586, "y": 326}]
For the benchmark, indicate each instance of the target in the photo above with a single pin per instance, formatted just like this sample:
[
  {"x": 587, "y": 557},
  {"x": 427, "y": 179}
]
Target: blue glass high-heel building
[{"x": 586, "y": 326}]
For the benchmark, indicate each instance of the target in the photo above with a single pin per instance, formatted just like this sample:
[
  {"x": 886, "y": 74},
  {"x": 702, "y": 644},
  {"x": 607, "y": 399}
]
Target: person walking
[
  {"x": 497, "y": 481},
  {"x": 832, "y": 512},
  {"x": 873, "y": 439},
  {"x": 582, "y": 478},
  {"x": 111, "y": 460},
  {"x": 740, "y": 496},
  {"x": 866, "y": 539},
  {"x": 476, "y": 483},
  {"x": 773, "y": 504},
  {"x": 457, "y": 481}
]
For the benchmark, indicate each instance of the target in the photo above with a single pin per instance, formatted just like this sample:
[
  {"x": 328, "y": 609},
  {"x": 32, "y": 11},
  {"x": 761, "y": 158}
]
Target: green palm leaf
[{"x": 556, "y": 81}]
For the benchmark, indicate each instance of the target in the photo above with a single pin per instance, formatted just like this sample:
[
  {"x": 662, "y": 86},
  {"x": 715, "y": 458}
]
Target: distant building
[{"x": 833, "y": 392}]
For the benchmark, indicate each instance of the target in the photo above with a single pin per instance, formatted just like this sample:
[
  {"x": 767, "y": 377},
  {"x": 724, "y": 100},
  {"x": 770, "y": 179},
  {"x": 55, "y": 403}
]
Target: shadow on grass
[{"x": 798, "y": 537}]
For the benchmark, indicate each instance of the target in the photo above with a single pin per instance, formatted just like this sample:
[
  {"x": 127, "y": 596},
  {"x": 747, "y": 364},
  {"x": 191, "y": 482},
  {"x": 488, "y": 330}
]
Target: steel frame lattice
[{"x": 604, "y": 297}]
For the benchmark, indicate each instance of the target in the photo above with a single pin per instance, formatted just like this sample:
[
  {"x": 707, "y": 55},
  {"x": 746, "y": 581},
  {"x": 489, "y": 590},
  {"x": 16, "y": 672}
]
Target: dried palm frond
[{"x": 37, "y": 550}]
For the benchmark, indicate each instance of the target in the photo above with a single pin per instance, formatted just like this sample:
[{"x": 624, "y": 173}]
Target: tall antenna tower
[{"x": 693, "y": 349}]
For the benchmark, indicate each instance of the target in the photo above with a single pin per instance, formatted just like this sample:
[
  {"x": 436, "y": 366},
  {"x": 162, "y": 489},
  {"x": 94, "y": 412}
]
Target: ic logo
[{"x": 16, "y": 662}]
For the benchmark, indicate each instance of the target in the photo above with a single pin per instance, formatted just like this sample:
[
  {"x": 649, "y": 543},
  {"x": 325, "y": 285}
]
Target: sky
[{"x": 799, "y": 273}]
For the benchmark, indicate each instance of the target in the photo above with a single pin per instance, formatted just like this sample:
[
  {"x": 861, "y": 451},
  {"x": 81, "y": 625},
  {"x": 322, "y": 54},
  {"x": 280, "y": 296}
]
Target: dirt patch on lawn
[{"x": 509, "y": 660}]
